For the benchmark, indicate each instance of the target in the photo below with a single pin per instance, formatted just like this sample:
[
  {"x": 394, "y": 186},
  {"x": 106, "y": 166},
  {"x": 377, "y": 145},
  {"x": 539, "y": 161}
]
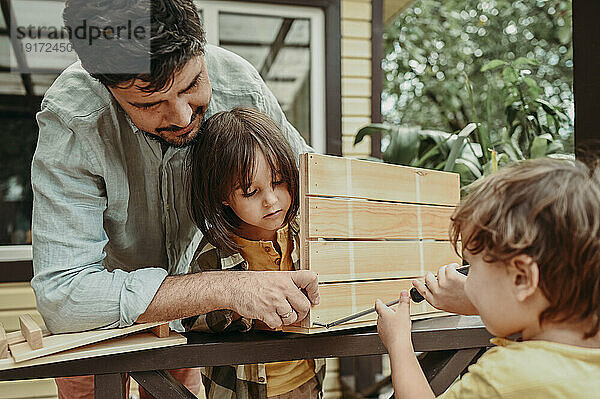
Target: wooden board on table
[
  {"x": 338, "y": 300},
  {"x": 349, "y": 325},
  {"x": 345, "y": 177},
  {"x": 362, "y": 219},
  {"x": 3, "y": 343},
  {"x": 61, "y": 342},
  {"x": 137, "y": 342},
  {"x": 337, "y": 261}
]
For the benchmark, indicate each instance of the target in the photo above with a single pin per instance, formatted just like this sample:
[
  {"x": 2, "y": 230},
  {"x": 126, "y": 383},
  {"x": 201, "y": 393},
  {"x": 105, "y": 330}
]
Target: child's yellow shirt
[
  {"x": 282, "y": 377},
  {"x": 531, "y": 370}
]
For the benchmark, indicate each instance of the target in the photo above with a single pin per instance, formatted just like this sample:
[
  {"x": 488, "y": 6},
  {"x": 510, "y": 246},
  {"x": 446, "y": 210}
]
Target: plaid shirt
[{"x": 248, "y": 381}]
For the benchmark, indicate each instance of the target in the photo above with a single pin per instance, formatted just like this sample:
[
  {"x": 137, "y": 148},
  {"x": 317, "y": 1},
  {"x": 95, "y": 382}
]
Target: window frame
[{"x": 211, "y": 11}]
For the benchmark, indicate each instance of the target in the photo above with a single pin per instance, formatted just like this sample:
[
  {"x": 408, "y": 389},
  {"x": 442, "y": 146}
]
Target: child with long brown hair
[
  {"x": 531, "y": 234},
  {"x": 244, "y": 199}
]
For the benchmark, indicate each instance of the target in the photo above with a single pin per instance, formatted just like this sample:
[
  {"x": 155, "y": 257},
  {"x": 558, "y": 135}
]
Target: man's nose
[{"x": 181, "y": 114}]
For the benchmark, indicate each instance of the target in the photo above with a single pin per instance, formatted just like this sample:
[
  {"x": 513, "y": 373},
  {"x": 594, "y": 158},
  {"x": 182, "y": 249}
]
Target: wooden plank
[
  {"x": 339, "y": 177},
  {"x": 356, "y": 68},
  {"x": 42, "y": 388},
  {"x": 304, "y": 255},
  {"x": 336, "y": 261},
  {"x": 356, "y": 10},
  {"x": 356, "y": 29},
  {"x": 3, "y": 343},
  {"x": 15, "y": 337},
  {"x": 356, "y": 87},
  {"x": 132, "y": 343},
  {"x": 356, "y": 106},
  {"x": 16, "y": 296},
  {"x": 356, "y": 48},
  {"x": 31, "y": 331},
  {"x": 339, "y": 300},
  {"x": 161, "y": 331},
  {"x": 369, "y": 323},
  {"x": 61, "y": 342},
  {"x": 10, "y": 318},
  {"x": 362, "y": 219}
]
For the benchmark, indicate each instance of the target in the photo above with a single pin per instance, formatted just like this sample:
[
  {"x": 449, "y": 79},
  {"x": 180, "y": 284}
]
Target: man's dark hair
[
  {"x": 176, "y": 35},
  {"x": 223, "y": 158}
]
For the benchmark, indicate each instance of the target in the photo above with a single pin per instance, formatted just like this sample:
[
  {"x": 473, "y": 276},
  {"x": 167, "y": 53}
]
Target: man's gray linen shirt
[{"x": 110, "y": 217}]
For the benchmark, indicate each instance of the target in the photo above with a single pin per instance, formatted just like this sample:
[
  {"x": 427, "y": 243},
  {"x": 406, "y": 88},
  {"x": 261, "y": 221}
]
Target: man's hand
[
  {"x": 394, "y": 326},
  {"x": 276, "y": 298},
  {"x": 447, "y": 291}
]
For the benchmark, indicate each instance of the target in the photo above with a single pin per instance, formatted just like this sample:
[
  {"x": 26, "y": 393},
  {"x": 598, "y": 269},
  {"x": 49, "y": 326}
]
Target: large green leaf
[
  {"x": 493, "y": 64},
  {"x": 539, "y": 147},
  {"x": 525, "y": 61},
  {"x": 369, "y": 130},
  {"x": 458, "y": 146},
  {"x": 403, "y": 146}
]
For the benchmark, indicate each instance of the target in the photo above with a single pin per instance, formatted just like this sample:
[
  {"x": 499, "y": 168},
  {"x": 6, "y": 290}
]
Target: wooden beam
[
  {"x": 353, "y": 178},
  {"x": 31, "y": 331},
  {"x": 3, "y": 343},
  {"x": 362, "y": 219},
  {"x": 161, "y": 331},
  {"x": 338, "y": 261}
]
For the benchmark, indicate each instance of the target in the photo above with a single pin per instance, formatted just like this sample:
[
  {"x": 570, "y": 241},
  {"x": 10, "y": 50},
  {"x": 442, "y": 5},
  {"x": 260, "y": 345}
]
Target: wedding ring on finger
[{"x": 288, "y": 314}]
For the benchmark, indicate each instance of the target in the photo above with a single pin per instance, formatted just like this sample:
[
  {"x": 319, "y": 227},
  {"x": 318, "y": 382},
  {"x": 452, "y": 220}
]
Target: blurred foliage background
[{"x": 505, "y": 65}]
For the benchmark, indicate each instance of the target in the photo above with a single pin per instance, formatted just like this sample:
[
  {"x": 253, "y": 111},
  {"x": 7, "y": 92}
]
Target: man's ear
[
  {"x": 525, "y": 275},
  {"x": 225, "y": 203}
]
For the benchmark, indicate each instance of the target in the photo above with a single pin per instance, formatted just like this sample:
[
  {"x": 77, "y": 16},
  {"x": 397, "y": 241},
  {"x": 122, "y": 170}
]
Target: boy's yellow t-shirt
[
  {"x": 532, "y": 370},
  {"x": 282, "y": 377}
]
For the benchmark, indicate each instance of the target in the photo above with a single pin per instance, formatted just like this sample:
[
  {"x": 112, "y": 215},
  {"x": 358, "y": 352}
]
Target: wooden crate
[{"x": 367, "y": 229}]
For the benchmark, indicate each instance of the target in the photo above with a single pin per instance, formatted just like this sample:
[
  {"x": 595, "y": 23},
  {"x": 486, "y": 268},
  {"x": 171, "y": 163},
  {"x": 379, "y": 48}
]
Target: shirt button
[{"x": 261, "y": 379}]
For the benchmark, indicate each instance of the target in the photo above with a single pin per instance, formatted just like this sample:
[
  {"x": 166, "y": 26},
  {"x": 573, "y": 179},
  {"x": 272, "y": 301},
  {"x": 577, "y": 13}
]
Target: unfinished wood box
[{"x": 367, "y": 229}]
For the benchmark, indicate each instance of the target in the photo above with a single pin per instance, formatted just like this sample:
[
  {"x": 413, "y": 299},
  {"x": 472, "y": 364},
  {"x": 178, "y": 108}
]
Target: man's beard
[
  {"x": 191, "y": 141},
  {"x": 164, "y": 142}
]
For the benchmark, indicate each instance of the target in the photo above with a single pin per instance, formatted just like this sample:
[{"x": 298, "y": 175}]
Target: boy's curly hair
[{"x": 548, "y": 209}]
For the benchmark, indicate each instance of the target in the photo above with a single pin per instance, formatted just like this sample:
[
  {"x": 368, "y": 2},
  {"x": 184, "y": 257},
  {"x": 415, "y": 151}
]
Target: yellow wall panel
[
  {"x": 10, "y": 318},
  {"x": 350, "y": 125},
  {"x": 356, "y": 29},
  {"x": 356, "y": 107},
  {"x": 363, "y": 148},
  {"x": 356, "y": 87},
  {"x": 356, "y": 48},
  {"x": 356, "y": 68},
  {"x": 43, "y": 388},
  {"x": 356, "y": 10},
  {"x": 16, "y": 296}
]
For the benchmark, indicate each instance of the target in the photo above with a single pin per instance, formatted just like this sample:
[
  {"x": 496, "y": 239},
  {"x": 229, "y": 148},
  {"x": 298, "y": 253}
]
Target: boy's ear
[
  {"x": 225, "y": 203},
  {"x": 525, "y": 275}
]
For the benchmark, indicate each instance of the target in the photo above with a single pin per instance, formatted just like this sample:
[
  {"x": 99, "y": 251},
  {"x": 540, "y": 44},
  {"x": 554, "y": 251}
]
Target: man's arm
[{"x": 255, "y": 295}]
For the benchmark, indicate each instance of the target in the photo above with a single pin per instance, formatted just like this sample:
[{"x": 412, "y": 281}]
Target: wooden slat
[
  {"x": 328, "y": 175},
  {"x": 350, "y": 150},
  {"x": 356, "y": 29},
  {"x": 356, "y": 10},
  {"x": 356, "y": 68},
  {"x": 304, "y": 255},
  {"x": 10, "y": 318},
  {"x": 339, "y": 300},
  {"x": 61, "y": 342},
  {"x": 3, "y": 343},
  {"x": 347, "y": 326},
  {"x": 356, "y": 106},
  {"x": 42, "y": 388},
  {"x": 367, "y": 260},
  {"x": 16, "y": 296},
  {"x": 31, "y": 331},
  {"x": 356, "y": 87},
  {"x": 362, "y": 219},
  {"x": 161, "y": 331},
  {"x": 356, "y": 48},
  {"x": 131, "y": 343}
]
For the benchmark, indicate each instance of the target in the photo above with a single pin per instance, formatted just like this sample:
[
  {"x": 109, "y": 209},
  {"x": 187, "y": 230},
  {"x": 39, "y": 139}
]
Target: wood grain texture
[
  {"x": 31, "y": 331},
  {"x": 339, "y": 300},
  {"x": 136, "y": 342},
  {"x": 337, "y": 261},
  {"x": 304, "y": 255},
  {"x": 161, "y": 331},
  {"x": 343, "y": 177},
  {"x": 10, "y": 318},
  {"x": 349, "y": 325},
  {"x": 60, "y": 342},
  {"x": 3, "y": 343},
  {"x": 363, "y": 219}
]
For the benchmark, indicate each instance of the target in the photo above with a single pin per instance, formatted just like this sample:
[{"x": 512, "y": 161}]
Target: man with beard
[{"x": 112, "y": 236}]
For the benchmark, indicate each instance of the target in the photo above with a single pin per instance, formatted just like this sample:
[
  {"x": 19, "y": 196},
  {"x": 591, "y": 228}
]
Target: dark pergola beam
[
  {"x": 19, "y": 55},
  {"x": 276, "y": 46},
  {"x": 225, "y": 43}
]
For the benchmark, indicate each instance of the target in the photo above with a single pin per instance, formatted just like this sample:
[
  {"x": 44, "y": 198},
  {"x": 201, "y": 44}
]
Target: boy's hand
[
  {"x": 394, "y": 326},
  {"x": 447, "y": 291}
]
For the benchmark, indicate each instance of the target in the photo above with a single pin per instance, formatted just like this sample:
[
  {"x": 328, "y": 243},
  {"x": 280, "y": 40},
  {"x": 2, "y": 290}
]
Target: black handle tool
[{"x": 417, "y": 297}]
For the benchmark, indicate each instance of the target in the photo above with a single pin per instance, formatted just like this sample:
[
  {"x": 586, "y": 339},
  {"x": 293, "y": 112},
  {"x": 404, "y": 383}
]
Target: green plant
[{"x": 534, "y": 128}]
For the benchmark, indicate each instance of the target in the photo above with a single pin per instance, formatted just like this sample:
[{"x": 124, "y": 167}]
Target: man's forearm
[{"x": 189, "y": 295}]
